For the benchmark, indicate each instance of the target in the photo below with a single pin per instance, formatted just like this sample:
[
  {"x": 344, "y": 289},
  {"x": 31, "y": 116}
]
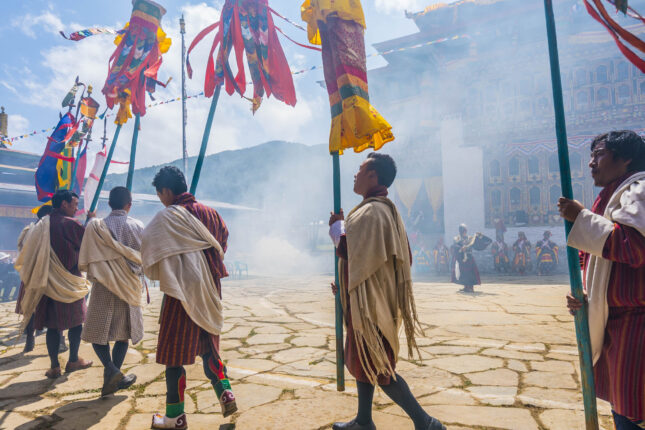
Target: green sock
[
  {"x": 221, "y": 386},
  {"x": 173, "y": 410}
]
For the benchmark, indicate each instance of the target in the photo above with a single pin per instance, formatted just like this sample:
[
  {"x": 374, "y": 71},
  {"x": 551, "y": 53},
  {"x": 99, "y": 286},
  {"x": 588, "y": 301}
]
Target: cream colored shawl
[
  {"x": 590, "y": 232},
  {"x": 23, "y": 235},
  {"x": 104, "y": 260},
  {"x": 379, "y": 283},
  {"x": 43, "y": 274},
  {"x": 171, "y": 249}
]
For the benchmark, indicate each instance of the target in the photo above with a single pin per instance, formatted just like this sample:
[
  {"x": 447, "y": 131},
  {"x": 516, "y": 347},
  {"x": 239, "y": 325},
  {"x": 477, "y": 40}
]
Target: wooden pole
[
  {"x": 581, "y": 317},
  {"x": 340, "y": 345},
  {"x": 95, "y": 199},
  {"x": 133, "y": 151},
  {"x": 207, "y": 132}
]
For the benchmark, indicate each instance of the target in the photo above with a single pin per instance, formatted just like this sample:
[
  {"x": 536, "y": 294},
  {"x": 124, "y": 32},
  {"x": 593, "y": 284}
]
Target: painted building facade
[{"x": 473, "y": 89}]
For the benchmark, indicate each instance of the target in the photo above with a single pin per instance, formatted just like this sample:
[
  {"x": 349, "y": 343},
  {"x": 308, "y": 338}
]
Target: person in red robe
[
  {"x": 611, "y": 239},
  {"x": 66, "y": 235},
  {"x": 371, "y": 182},
  {"x": 180, "y": 338}
]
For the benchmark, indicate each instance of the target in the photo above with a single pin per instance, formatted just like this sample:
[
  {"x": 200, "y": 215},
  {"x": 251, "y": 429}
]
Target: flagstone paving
[{"x": 503, "y": 358}]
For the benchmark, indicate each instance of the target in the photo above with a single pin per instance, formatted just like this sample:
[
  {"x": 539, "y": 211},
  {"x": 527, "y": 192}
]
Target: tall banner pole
[
  {"x": 133, "y": 151},
  {"x": 581, "y": 316},
  {"x": 207, "y": 132},
  {"x": 184, "y": 113},
  {"x": 340, "y": 347},
  {"x": 95, "y": 199},
  {"x": 73, "y": 166}
]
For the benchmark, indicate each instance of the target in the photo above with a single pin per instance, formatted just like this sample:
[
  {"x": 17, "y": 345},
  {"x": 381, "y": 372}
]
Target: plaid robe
[
  {"x": 108, "y": 317},
  {"x": 620, "y": 371},
  {"x": 66, "y": 235},
  {"x": 180, "y": 339}
]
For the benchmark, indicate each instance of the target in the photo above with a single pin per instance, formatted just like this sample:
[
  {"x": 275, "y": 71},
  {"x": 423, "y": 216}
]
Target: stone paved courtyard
[{"x": 504, "y": 358}]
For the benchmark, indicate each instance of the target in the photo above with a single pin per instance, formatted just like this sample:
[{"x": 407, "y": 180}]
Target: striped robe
[
  {"x": 180, "y": 339},
  {"x": 66, "y": 235},
  {"x": 620, "y": 370}
]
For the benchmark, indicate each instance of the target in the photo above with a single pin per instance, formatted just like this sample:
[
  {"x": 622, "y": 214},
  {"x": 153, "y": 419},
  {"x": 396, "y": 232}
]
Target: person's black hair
[
  {"x": 62, "y": 196},
  {"x": 44, "y": 211},
  {"x": 120, "y": 197},
  {"x": 172, "y": 178},
  {"x": 384, "y": 166},
  {"x": 626, "y": 145}
]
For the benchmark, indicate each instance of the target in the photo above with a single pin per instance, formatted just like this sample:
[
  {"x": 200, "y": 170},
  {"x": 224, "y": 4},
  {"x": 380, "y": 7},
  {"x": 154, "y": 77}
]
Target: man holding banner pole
[{"x": 611, "y": 238}]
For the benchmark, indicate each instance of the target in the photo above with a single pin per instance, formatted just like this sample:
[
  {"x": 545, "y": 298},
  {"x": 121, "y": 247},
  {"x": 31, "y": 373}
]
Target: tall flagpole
[
  {"x": 340, "y": 347},
  {"x": 133, "y": 151},
  {"x": 184, "y": 114},
  {"x": 207, "y": 132},
  {"x": 581, "y": 316}
]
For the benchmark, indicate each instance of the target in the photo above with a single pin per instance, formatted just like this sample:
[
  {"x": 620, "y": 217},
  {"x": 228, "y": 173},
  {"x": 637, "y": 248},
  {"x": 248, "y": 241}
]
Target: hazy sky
[{"x": 39, "y": 66}]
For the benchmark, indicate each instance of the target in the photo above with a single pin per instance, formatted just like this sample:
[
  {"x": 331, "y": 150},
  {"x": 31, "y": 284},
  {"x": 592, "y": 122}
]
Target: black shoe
[
  {"x": 127, "y": 381},
  {"x": 353, "y": 425},
  {"x": 62, "y": 347},
  {"x": 111, "y": 383},
  {"x": 435, "y": 424},
  {"x": 30, "y": 343}
]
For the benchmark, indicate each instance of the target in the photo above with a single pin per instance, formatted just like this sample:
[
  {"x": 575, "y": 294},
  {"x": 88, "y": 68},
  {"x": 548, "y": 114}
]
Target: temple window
[
  {"x": 496, "y": 199},
  {"x": 534, "y": 166},
  {"x": 624, "y": 92},
  {"x": 602, "y": 75},
  {"x": 554, "y": 196},
  {"x": 642, "y": 87},
  {"x": 582, "y": 100},
  {"x": 495, "y": 170},
  {"x": 622, "y": 71},
  {"x": 603, "y": 97},
  {"x": 554, "y": 164},
  {"x": 514, "y": 167},
  {"x": 534, "y": 196},
  {"x": 516, "y": 196}
]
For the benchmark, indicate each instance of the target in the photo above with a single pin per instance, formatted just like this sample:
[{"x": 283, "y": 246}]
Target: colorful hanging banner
[{"x": 82, "y": 34}]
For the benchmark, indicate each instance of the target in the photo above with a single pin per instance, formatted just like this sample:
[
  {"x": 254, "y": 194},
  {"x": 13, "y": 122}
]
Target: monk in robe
[
  {"x": 499, "y": 249},
  {"x": 30, "y": 331},
  {"x": 611, "y": 238},
  {"x": 464, "y": 267},
  {"x": 54, "y": 288},
  {"x": 183, "y": 248},
  {"x": 522, "y": 254},
  {"x": 110, "y": 254},
  {"x": 546, "y": 253},
  {"x": 376, "y": 293}
]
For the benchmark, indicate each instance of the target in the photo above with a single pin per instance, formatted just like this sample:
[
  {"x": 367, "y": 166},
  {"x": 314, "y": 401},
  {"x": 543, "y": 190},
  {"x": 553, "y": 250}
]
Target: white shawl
[
  {"x": 171, "y": 250},
  {"x": 43, "y": 274},
  {"x": 104, "y": 260}
]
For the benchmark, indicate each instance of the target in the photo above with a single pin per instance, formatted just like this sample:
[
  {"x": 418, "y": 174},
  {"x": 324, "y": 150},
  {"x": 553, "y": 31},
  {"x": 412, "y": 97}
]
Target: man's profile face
[
  {"x": 365, "y": 179},
  {"x": 69, "y": 208},
  {"x": 605, "y": 167}
]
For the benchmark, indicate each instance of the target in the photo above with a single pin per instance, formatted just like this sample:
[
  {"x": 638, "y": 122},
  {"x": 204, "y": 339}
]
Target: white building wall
[{"x": 463, "y": 180}]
